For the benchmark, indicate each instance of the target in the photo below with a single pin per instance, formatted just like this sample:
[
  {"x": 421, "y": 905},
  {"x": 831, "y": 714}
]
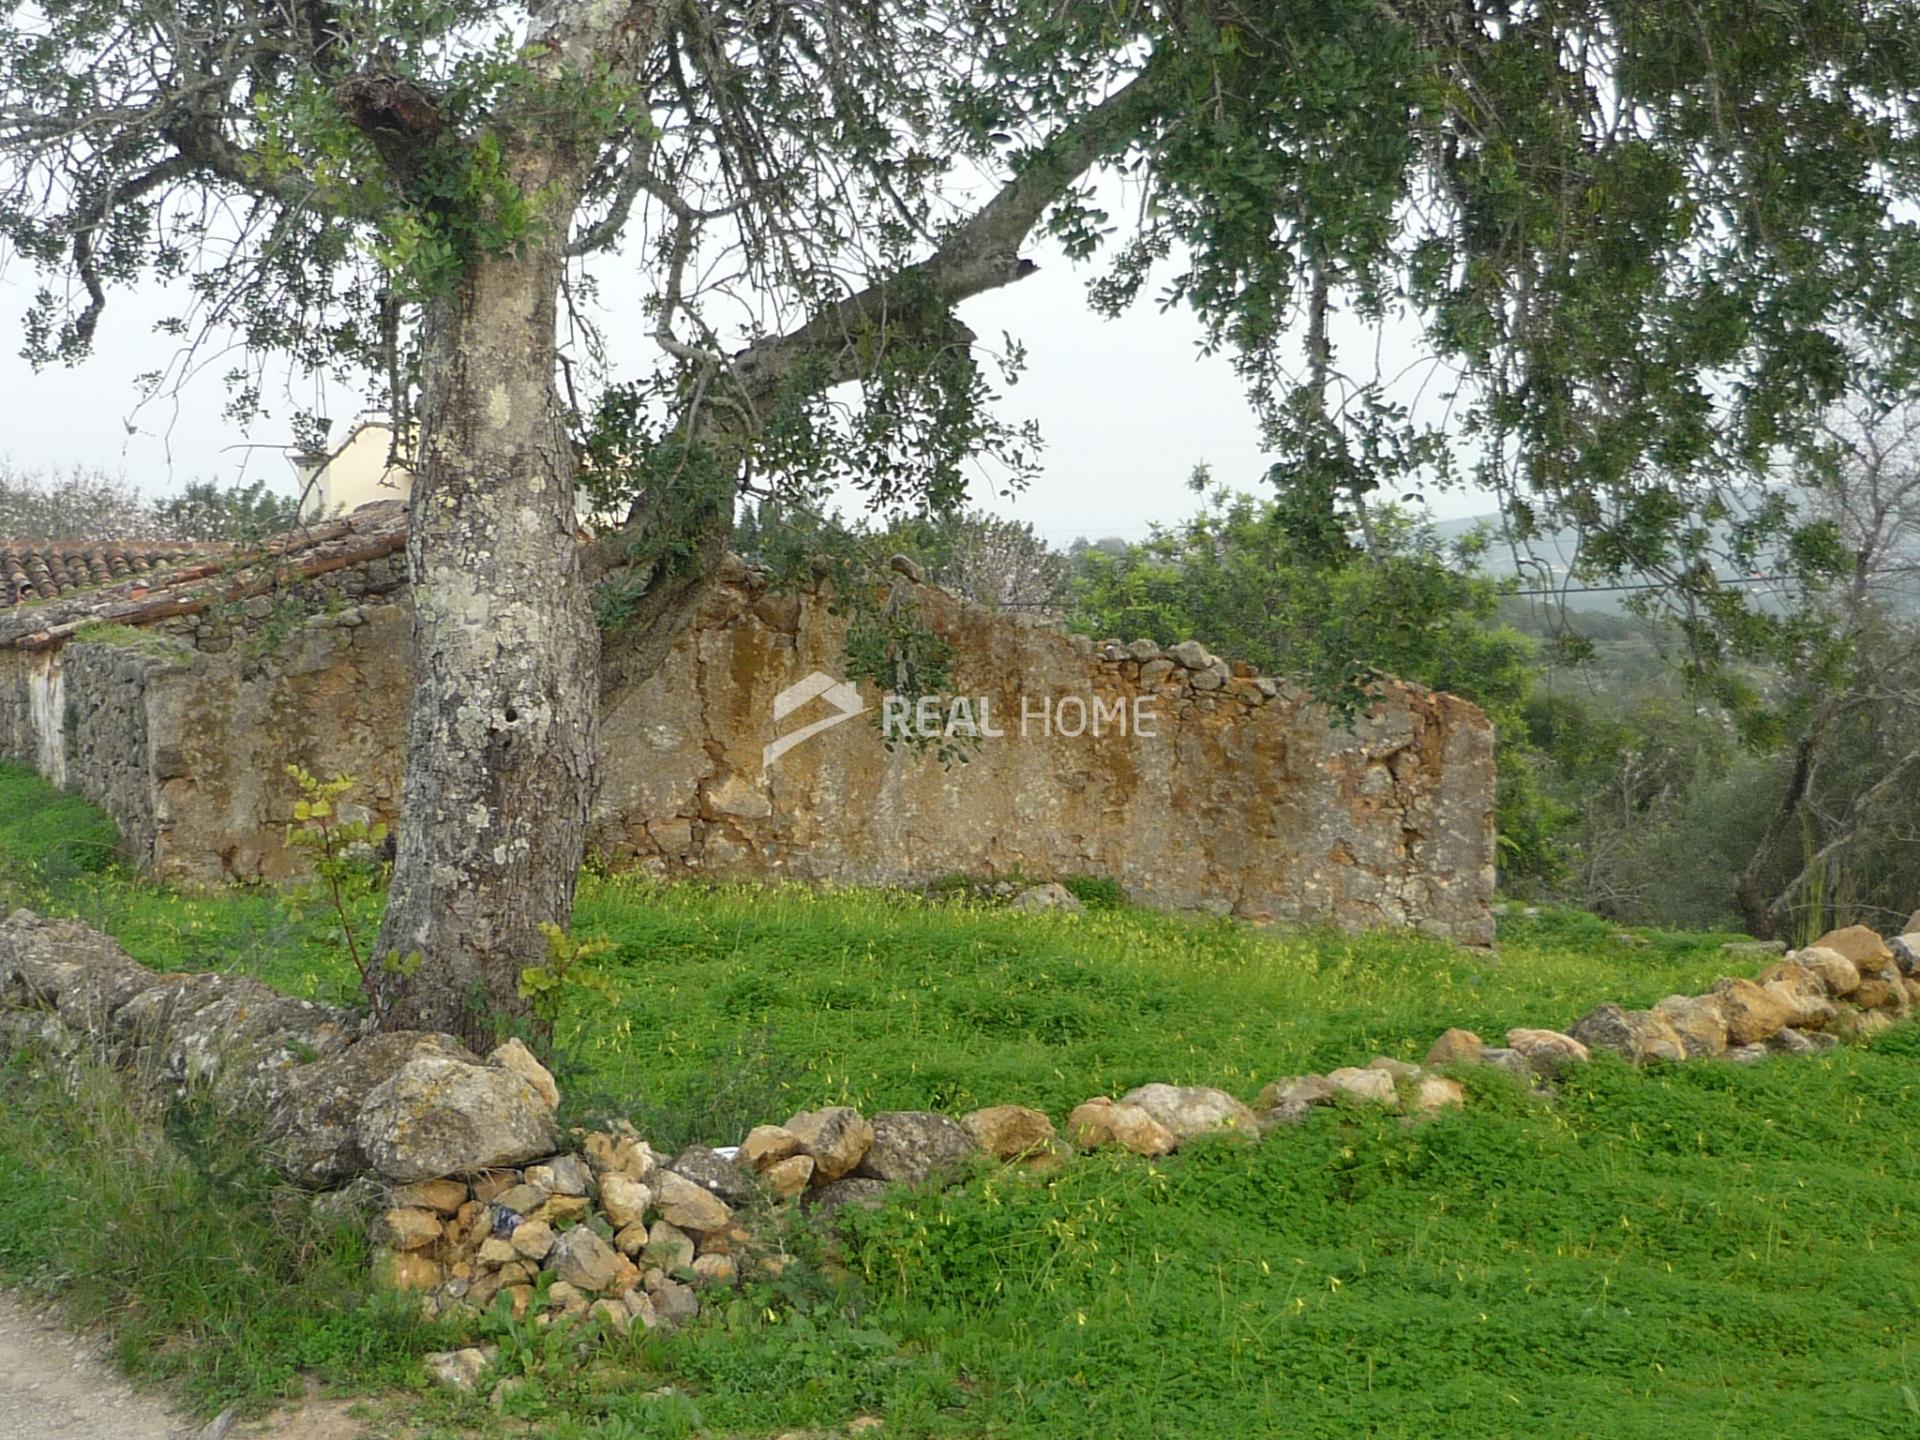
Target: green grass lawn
[{"x": 1696, "y": 1251}]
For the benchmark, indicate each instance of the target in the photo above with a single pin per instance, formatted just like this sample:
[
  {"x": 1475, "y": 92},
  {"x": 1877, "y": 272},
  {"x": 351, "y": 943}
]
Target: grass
[
  {"x": 132, "y": 637},
  {"x": 1694, "y": 1251},
  {"x": 158, "y": 1223}
]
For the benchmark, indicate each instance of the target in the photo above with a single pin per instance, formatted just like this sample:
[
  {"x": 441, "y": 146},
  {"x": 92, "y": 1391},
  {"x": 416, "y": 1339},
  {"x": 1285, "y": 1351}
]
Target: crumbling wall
[
  {"x": 187, "y": 749},
  {"x": 1245, "y": 798},
  {"x": 1237, "y": 795}
]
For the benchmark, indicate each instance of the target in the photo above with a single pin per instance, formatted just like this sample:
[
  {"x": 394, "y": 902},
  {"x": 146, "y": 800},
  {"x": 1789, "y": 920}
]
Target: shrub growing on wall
[{"x": 1245, "y": 580}]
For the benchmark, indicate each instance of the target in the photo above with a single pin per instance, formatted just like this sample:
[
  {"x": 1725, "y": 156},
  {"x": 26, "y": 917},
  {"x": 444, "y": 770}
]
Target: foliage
[
  {"x": 239, "y": 513},
  {"x": 342, "y": 853},
  {"x": 889, "y": 642},
  {"x": 1676, "y": 1250},
  {"x": 83, "y": 503},
  {"x": 131, "y": 637},
  {"x": 568, "y": 974},
  {"x": 988, "y": 559},
  {"x": 78, "y": 503},
  {"x": 1241, "y": 576}
]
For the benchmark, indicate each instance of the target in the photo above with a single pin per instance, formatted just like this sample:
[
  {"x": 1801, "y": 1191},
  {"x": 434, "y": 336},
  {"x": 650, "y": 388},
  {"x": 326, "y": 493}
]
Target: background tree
[
  {"x": 989, "y": 559},
  {"x": 204, "y": 510},
  {"x": 78, "y": 503},
  {"x": 1847, "y": 694}
]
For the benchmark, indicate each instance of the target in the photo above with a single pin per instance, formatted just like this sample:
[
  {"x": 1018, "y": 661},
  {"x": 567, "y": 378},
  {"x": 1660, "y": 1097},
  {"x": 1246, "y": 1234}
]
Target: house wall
[{"x": 355, "y": 474}]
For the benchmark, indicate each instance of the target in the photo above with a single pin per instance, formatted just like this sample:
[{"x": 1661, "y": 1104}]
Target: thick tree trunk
[{"x": 501, "y": 740}]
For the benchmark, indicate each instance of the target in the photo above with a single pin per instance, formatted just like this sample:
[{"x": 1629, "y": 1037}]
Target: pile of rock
[
  {"x": 1186, "y": 667},
  {"x": 1849, "y": 983},
  {"x": 621, "y": 1234}
]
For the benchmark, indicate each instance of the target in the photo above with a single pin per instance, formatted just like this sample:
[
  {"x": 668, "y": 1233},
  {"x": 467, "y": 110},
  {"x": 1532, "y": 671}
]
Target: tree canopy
[{"x": 1646, "y": 242}]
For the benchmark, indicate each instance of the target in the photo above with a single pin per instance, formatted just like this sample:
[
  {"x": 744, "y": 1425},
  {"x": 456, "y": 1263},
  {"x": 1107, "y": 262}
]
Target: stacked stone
[
  {"x": 1188, "y": 668},
  {"x": 1849, "y": 984},
  {"x": 623, "y": 1235},
  {"x": 620, "y": 1234}
]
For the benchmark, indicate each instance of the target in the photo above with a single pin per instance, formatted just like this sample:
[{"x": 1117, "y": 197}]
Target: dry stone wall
[
  {"x": 1193, "y": 784},
  {"x": 481, "y": 1199}
]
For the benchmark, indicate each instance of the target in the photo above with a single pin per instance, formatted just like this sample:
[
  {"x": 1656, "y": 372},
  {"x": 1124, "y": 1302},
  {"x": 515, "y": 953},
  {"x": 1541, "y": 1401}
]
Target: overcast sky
[{"x": 1128, "y": 407}]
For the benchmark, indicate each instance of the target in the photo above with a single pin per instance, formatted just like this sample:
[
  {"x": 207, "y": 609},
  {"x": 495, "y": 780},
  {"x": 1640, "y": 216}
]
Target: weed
[
  {"x": 1693, "y": 1251},
  {"x": 160, "y": 1223},
  {"x": 344, "y": 870}
]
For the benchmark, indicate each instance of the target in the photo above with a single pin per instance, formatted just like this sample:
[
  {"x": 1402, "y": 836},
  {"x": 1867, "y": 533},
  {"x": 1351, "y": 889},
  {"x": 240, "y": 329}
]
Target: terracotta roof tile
[{"x": 44, "y": 569}]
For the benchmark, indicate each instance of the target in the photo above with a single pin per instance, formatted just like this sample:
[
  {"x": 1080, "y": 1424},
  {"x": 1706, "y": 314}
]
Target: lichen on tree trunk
[{"x": 501, "y": 740}]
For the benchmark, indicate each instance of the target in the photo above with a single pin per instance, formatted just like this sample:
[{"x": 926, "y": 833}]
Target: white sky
[{"x": 1127, "y": 407}]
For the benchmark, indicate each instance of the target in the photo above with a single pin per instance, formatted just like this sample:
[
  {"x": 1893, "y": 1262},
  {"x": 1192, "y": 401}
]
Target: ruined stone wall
[
  {"x": 1245, "y": 799},
  {"x": 1237, "y": 796},
  {"x": 182, "y": 731}
]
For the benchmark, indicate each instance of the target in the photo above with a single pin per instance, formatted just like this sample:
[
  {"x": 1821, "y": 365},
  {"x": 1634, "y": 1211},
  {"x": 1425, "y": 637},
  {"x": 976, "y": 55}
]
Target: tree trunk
[{"x": 501, "y": 737}]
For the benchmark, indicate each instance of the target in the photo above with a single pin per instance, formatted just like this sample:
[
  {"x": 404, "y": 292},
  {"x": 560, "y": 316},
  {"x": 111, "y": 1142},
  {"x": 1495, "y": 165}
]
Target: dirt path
[{"x": 55, "y": 1385}]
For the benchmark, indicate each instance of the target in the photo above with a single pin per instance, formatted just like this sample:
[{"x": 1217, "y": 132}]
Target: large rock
[
  {"x": 1547, "y": 1052},
  {"x": 1100, "y": 1122},
  {"x": 911, "y": 1147},
  {"x": 786, "y": 1178},
  {"x": 767, "y": 1145},
  {"x": 1192, "y": 1110},
  {"x": 1804, "y": 992},
  {"x": 69, "y": 969},
  {"x": 689, "y": 1206},
  {"x": 1636, "y": 1035},
  {"x": 1881, "y": 992},
  {"x": 624, "y": 1201},
  {"x": 837, "y": 1138},
  {"x": 1368, "y": 1087},
  {"x": 311, "y": 1130},
  {"x": 1699, "y": 1023},
  {"x": 1839, "y": 975},
  {"x": 442, "y": 1116},
  {"x": 1295, "y": 1092},
  {"x": 1862, "y": 946},
  {"x": 1863, "y": 1024},
  {"x": 1051, "y": 896},
  {"x": 669, "y": 1247},
  {"x": 582, "y": 1259},
  {"x": 1455, "y": 1047},
  {"x": 1754, "y": 949},
  {"x": 716, "y": 1174},
  {"x": 513, "y": 1055},
  {"x": 855, "y": 1191},
  {"x": 238, "y": 1038},
  {"x": 457, "y": 1369},
  {"x": 1906, "y": 952},
  {"x": 1011, "y": 1132},
  {"x": 1753, "y": 1013}
]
